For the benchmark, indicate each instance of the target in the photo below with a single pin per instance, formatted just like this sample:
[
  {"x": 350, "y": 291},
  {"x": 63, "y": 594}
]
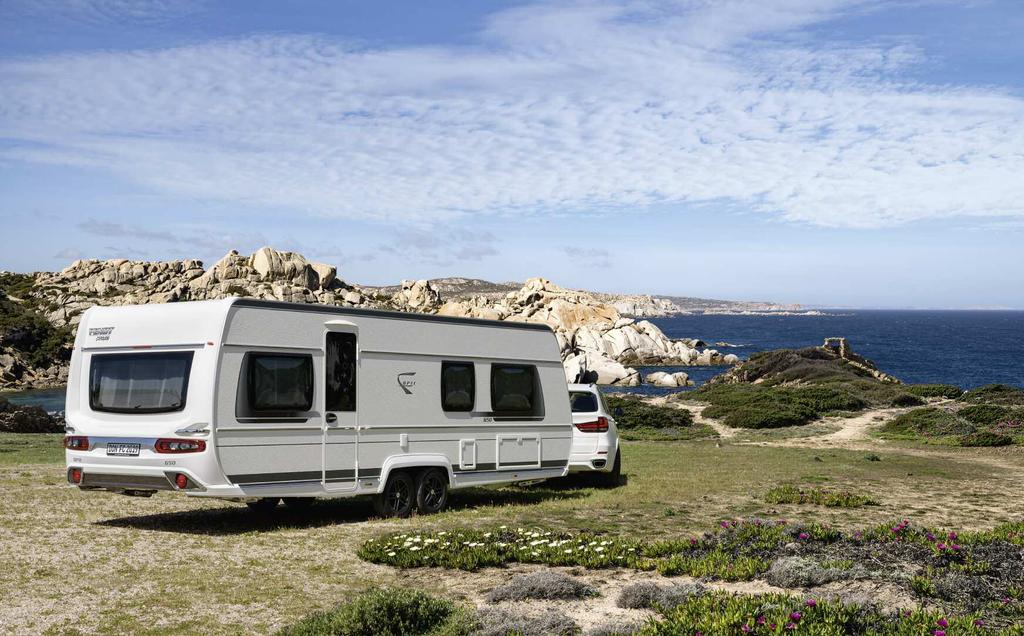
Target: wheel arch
[{"x": 411, "y": 462}]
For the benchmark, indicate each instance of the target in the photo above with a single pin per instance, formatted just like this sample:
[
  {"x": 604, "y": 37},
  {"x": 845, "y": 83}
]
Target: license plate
[{"x": 123, "y": 450}]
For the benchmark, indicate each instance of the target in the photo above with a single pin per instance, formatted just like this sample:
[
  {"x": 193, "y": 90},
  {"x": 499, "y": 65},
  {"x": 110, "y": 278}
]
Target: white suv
[{"x": 595, "y": 439}]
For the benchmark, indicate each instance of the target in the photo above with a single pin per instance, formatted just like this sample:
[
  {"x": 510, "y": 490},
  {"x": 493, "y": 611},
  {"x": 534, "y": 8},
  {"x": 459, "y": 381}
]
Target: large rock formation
[{"x": 598, "y": 343}]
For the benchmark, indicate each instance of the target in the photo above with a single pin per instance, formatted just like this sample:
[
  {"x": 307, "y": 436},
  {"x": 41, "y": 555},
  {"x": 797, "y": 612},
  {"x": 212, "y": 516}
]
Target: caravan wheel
[
  {"x": 398, "y": 498},
  {"x": 432, "y": 491}
]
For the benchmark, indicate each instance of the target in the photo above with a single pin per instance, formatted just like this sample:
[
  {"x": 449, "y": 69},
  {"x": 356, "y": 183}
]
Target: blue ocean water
[{"x": 966, "y": 348}]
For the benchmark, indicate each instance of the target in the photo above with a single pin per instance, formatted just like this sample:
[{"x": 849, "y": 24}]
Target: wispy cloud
[
  {"x": 560, "y": 107},
  {"x": 589, "y": 256},
  {"x": 97, "y": 12}
]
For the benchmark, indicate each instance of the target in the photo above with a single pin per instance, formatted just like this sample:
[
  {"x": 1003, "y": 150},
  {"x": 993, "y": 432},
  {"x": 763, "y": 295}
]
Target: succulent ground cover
[
  {"x": 790, "y": 494},
  {"x": 961, "y": 572},
  {"x": 395, "y": 612}
]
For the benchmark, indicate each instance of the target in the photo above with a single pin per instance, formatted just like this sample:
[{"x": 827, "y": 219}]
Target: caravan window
[
  {"x": 139, "y": 382},
  {"x": 280, "y": 382},
  {"x": 512, "y": 388},
  {"x": 341, "y": 371},
  {"x": 458, "y": 386}
]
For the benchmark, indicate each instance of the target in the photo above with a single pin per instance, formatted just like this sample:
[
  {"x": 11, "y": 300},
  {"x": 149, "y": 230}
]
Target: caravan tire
[
  {"x": 399, "y": 496},
  {"x": 431, "y": 491},
  {"x": 265, "y": 505}
]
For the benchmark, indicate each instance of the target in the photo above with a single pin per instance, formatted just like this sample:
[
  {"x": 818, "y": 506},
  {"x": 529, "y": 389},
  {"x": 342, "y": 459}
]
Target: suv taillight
[
  {"x": 600, "y": 425},
  {"x": 76, "y": 443},
  {"x": 179, "y": 446}
]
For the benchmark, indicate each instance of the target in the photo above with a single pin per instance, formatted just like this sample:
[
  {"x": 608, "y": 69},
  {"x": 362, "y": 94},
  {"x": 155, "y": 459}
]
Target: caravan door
[{"x": 341, "y": 368}]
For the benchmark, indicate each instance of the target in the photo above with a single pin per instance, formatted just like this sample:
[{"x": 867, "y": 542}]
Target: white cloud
[{"x": 560, "y": 108}]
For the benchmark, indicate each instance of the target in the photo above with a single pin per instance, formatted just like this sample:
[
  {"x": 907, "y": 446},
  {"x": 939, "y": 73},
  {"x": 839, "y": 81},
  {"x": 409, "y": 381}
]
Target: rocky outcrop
[
  {"x": 598, "y": 343},
  {"x": 670, "y": 380},
  {"x": 28, "y": 419}
]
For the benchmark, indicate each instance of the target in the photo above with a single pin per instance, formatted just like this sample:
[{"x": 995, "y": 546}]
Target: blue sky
[{"x": 830, "y": 152}]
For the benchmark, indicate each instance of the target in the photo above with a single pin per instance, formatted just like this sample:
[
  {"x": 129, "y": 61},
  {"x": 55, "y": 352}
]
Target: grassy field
[{"x": 94, "y": 562}]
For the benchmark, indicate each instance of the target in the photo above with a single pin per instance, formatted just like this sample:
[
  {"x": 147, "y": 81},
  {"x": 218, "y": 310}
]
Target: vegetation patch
[
  {"x": 650, "y": 595},
  {"x": 39, "y": 342},
  {"x": 926, "y": 422},
  {"x": 725, "y": 613},
  {"x": 502, "y": 622},
  {"x": 977, "y": 425},
  {"x": 949, "y": 391},
  {"x": 789, "y": 494},
  {"x": 383, "y": 612},
  {"x": 544, "y": 585},
  {"x": 640, "y": 420},
  {"x": 1003, "y": 394}
]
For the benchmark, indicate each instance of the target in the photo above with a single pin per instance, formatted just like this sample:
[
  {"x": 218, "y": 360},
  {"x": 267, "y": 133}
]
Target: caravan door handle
[{"x": 331, "y": 418}]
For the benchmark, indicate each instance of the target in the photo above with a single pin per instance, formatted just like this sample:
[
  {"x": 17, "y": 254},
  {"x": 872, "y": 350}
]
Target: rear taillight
[
  {"x": 76, "y": 443},
  {"x": 179, "y": 446},
  {"x": 75, "y": 475},
  {"x": 600, "y": 425}
]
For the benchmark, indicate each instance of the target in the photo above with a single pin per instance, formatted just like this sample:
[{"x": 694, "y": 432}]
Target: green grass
[
  {"x": 789, "y": 494},
  {"x": 137, "y": 581},
  {"x": 16, "y": 448}
]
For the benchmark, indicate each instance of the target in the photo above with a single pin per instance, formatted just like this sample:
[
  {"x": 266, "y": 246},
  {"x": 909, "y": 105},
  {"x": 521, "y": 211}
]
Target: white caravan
[{"x": 257, "y": 401}]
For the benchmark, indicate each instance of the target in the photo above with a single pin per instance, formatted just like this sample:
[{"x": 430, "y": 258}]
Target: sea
[{"x": 965, "y": 348}]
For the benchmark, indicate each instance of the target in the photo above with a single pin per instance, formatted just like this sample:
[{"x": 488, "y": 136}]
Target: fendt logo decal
[
  {"x": 100, "y": 333},
  {"x": 407, "y": 381}
]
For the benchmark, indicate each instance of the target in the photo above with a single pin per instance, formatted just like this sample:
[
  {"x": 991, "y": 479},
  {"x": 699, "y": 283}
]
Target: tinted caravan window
[
  {"x": 139, "y": 382},
  {"x": 458, "y": 386},
  {"x": 341, "y": 372},
  {"x": 513, "y": 388},
  {"x": 280, "y": 382},
  {"x": 583, "y": 402}
]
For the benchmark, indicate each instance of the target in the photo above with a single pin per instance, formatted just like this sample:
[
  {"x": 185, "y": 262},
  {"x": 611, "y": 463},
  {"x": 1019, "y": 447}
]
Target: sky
[{"x": 842, "y": 153}]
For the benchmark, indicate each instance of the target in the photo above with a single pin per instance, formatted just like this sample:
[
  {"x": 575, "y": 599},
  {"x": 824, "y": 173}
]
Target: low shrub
[
  {"x": 1003, "y": 394},
  {"x": 650, "y": 595},
  {"x": 901, "y": 400},
  {"x": 927, "y": 422},
  {"x": 989, "y": 414},
  {"x": 502, "y": 622},
  {"x": 934, "y": 390},
  {"x": 670, "y": 434},
  {"x": 985, "y": 438},
  {"x": 788, "y": 494},
  {"x": 793, "y": 572},
  {"x": 761, "y": 406},
  {"x": 615, "y": 628},
  {"x": 545, "y": 585},
  {"x": 637, "y": 414},
  {"x": 380, "y": 612}
]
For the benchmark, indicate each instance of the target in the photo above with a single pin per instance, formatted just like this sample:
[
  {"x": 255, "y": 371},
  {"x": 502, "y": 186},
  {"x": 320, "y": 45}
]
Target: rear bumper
[
  {"x": 134, "y": 479},
  {"x": 590, "y": 462}
]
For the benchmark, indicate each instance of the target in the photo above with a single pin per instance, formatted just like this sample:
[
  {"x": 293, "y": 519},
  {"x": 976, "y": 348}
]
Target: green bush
[
  {"x": 757, "y": 406},
  {"x": 989, "y": 414},
  {"x": 927, "y": 422},
  {"x": 934, "y": 390},
  {"x": 906, "y": 399},
  {"x": 985, "y": 438},
  {"x": 381, "y": 612},
  {"x": 26, "y": 331},
  {"x": 637, "y": 414},
  {"x": 996, "y": 394}
]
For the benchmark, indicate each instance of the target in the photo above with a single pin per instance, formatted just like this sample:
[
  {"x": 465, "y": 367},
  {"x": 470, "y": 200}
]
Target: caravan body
[{"x": 241, "y": 398}]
